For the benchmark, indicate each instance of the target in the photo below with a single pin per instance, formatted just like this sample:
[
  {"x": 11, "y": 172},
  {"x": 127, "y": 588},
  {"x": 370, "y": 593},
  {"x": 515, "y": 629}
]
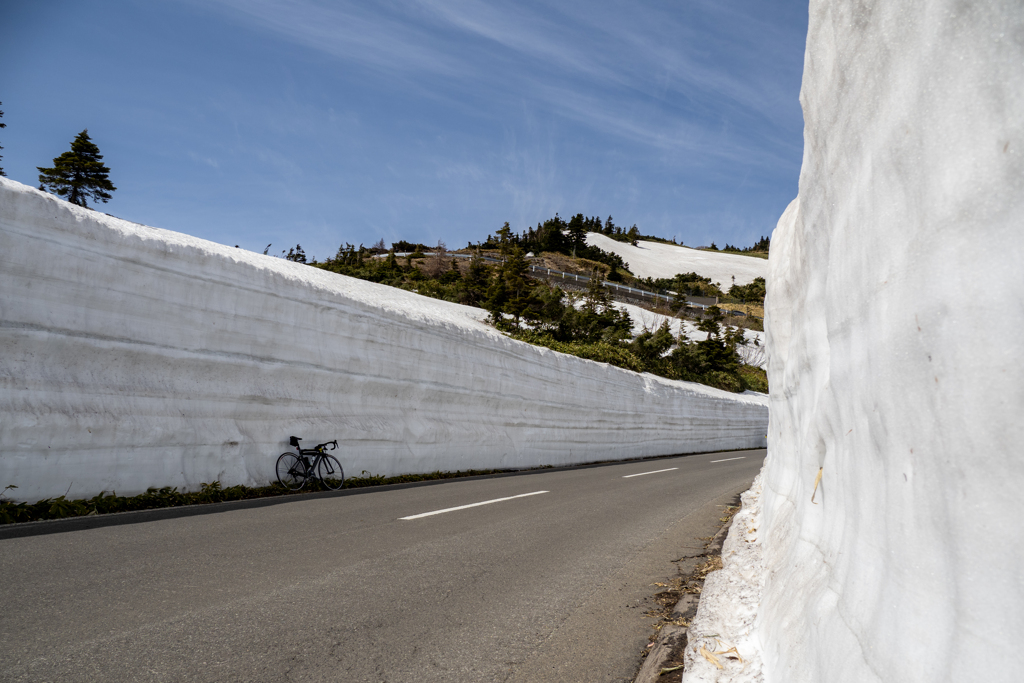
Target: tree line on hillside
[
  {"x": 749, "y": 293},
  {"x": 583, "y": 324},
  {"x": 682, "y": 285},
  {"x": 760, "y": 247},
  {"x": 555, "y": 235},
  {"x": 589, "y": 326}
]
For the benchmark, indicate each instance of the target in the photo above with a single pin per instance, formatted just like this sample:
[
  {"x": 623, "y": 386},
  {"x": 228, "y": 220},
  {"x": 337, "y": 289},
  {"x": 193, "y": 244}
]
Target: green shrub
[
  {"x": 166, "y": 497},
  {"x": 754, "y": 379}
]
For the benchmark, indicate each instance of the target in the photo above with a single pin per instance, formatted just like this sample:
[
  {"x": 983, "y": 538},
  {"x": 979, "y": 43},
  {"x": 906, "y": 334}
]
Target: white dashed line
[
  {"x": 728, "y": 459},
  {"x": 654, "y": 472},
  {"x": 472, "y": 505}
]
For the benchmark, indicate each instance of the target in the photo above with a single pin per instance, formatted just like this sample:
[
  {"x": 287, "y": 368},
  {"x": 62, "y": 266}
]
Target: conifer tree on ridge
[{"x": 78, "y": 175}]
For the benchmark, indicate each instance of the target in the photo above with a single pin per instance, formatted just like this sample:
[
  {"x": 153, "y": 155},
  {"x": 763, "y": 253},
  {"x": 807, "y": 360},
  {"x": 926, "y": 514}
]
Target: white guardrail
[{"x": 575, "y": 278}]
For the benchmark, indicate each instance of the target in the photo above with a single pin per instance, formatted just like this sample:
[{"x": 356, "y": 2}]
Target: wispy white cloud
[
  {"x": 201, "y": 159},
  {"x": 353, "y": 32},
  {"x": 442, "y": 112},
  {"x": 460, "y": 170},
  {"x": 530, "y": 174},
  {"x": 575, "y": 61}
]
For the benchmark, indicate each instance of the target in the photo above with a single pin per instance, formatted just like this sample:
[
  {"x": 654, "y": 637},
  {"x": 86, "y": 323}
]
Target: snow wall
[
  {"x": 894, "y": 317},
  {"x": 136, "y": 357}
]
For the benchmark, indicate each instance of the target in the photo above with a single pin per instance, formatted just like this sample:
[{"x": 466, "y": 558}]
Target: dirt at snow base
[{"x": 683, "y": 590}]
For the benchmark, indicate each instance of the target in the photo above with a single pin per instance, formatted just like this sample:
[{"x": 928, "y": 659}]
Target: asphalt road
[{"x": 543, "y": 587}]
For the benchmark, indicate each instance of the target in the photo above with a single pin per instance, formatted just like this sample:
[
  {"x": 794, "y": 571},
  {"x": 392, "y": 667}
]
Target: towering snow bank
[
  {"x": 657, "y": 259},
  {"x": 894, "y": 281},
  {"x": 136, "y": 357}
]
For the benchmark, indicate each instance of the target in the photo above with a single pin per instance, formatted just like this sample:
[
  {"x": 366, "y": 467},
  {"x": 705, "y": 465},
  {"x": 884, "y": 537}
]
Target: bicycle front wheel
[
  {"x": 291, "y": 472},
  {"x": 330, "y": 473}
]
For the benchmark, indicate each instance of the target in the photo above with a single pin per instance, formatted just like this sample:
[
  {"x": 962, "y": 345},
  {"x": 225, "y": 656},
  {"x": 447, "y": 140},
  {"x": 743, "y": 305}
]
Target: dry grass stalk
[{"x": 710, "y": 657}]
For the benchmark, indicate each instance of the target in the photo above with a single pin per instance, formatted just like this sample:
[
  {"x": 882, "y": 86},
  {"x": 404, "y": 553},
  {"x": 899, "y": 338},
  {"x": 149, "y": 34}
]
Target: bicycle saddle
[{"x": 294, "y": 441}]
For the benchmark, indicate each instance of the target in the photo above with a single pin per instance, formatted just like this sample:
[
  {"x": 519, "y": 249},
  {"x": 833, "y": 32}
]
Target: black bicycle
[{"x": 293, "y": 471}]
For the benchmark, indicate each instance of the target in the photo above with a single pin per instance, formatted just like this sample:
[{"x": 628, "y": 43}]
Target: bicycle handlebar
[{"x": 294, "y": 440}]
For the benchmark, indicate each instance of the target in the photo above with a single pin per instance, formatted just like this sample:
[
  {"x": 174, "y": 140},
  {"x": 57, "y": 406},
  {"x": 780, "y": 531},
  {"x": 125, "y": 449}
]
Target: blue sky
[{"x": 252, "y": 122}]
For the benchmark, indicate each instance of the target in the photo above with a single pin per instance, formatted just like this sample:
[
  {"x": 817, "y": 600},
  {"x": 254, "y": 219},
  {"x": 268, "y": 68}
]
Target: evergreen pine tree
[
  {"x": 577, "y": 232},
  {"x": 711, "y": 322},
  {"x": 453, "y": 274},
  {"x": 78, "y": 175},
  {"x": 505, "y": 239},
  {"x": 2, "y": 125},
  {"x": 678, "y": 300},
  {"x": 476, "y": 280},
  {"x": 651, "y": 345},
  {"x": 497, "y": 298},
  {"x": 597, "y": 299},
  {"x": 633, "y": 235},
  {"x": 517, "y": 285}
]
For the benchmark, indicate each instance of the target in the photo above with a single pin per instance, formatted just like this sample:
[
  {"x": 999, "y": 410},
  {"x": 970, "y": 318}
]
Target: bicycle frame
[
  {"x": 304, "y": 454},
  {"x": 310, "y": 459}
]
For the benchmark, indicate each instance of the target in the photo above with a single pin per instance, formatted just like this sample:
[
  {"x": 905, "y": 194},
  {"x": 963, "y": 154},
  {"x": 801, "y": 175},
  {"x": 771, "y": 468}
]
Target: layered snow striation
[
  {"x": 895, "y": 281},
  {"x": 137, "y": 357},
  {"x": 660, "y": 260}
]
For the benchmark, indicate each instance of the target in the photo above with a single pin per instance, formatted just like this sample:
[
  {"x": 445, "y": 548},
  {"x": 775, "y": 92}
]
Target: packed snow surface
[
  {"x": 136, "y": 357},
  {"x": 895, "y": 280},
  {"x": 657, "y": 259},
  {"x": 721, "y": 645}
]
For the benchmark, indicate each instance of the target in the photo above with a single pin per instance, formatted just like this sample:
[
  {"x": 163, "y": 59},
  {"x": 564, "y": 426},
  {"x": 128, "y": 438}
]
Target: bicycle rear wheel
[
  {"x": 330, "y": 473},
  {"x": 291, "y": 472}
]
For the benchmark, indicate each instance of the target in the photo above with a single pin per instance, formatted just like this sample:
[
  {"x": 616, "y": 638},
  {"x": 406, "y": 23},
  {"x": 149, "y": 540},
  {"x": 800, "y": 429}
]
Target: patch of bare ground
[
  {"x": 662, "y": 659},
  {"x": 569, "y": 264}
]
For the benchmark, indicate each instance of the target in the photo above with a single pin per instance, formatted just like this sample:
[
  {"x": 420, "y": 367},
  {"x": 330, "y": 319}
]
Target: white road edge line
[
  {"x": 728, "y": 459},
  {"x": 473, "y": 505},
  {"x": 654, "y": 472}
]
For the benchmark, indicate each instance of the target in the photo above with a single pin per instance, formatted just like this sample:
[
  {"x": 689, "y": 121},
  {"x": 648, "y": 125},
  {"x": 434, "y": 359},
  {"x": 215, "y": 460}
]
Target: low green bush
[
  {"x": 755, "y": 379},
  {"x": 166, "y": 497}
]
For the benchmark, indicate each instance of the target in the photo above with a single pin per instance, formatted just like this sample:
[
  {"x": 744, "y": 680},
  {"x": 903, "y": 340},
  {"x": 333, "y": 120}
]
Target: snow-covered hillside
[
  {"x": 895, "y": 282},
  {"x": 656, "y": 259},
  {"x": 136, "y": 357}
]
